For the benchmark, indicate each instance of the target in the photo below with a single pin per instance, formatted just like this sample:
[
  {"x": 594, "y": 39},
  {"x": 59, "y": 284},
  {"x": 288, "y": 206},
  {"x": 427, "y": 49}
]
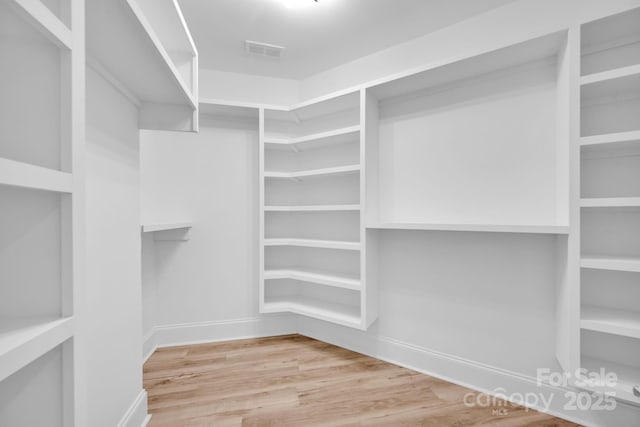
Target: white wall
[
  {"x": 247, "y": 88},
  {"x": 112, "y": 288},
  {"x": 210, "y": 178}
]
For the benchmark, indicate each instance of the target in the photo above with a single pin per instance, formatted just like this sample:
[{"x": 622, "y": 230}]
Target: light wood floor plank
[{"x": 300, "y": 382}]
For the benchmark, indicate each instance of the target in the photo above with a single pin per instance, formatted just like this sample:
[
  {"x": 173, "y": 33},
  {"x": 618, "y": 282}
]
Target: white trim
[
  {"x": 215, "y": 331},
  {"x": 136, "y": 415},
  {"x": 466, "y": 373}
]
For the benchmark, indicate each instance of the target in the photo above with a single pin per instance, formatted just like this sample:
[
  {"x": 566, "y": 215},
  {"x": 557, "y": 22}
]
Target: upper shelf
[
  {"x": 486, "y": 228},
  {"x": 151, "y": 54},
  {"x": 335, "y": 136},
  {"x": 438, "y": 76}
]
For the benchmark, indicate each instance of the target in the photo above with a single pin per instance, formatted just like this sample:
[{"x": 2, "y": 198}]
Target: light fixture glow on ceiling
[{"x": 299, "y": 4}]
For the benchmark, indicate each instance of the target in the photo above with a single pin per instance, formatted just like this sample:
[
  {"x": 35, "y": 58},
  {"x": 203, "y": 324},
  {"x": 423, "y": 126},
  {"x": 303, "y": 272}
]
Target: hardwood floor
[{"x": 297, "y": 381}]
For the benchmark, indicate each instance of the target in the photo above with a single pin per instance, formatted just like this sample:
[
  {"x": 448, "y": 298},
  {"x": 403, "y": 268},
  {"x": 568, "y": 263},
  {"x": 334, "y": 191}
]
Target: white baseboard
[
  {"x": 136, "y": 415},
  {"x": 226, "y": 330},
  {"x": 467, "y": 373}
]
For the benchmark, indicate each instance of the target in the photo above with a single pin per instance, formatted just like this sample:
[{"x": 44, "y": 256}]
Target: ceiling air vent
[{"x": 263, "y": 49}]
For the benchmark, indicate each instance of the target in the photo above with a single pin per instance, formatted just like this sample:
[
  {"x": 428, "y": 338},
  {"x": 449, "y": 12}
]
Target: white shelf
[
  {"x": 488, "y": 228},
  {"x": 611, "y": 321},
  {"x": 611, "y": 202},
  {"x": 315, "y": 308},
  {"x": 149, "y": 228},
  {"x": 310, "y": 243},
  {"x": 610, "y": 75},
  {"x": 339, "y": 170},
  {"x": 41, "y": 18},
  {"x": 610, "y": 263},
  {"x": 605, "y": 91},
  {"x": 24, "y": 340},
  {"x": 323, "y": 138},
  {"x": 314, "y": 277},
  {"x": 134, "y": 56},
  {"x": 18, "y": 174},
  {"x": 313, "y": 208},
  {"x": 628, "y": 378},
  {"x": 612, "y": 140}
]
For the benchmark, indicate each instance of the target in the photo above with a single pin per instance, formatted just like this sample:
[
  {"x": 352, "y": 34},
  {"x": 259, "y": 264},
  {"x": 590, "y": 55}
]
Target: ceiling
[{"x": 317, "y": 36}]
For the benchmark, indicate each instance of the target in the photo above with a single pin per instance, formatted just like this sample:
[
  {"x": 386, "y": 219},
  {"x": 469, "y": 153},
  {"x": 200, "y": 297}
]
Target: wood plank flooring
[{"x": 297, "y": 381}]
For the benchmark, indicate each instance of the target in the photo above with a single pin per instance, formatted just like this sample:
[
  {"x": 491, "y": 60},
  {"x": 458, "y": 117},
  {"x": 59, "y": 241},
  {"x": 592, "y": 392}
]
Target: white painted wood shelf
[
  {"x": 600, "y": 262},
  {"x": 313, "y": 243},
  {"x": 41, "y": 18},
  {"x": 611, "y": 202},
  {"x": 336, "y": 136},
  {"x": 317, "y": 277},
  {"x": 316, "y": 308},
  {"x": 333, "y": 171},
  {"x": 632, "y": 70},
  {"x": 166, "y": 226},
  {"x": 140, "y": 59},
  {"x": 611, "y": 321},
  {"x": 611, "y": 141},
  {"x": 23, "y": 340},
  {"x": 628, "y": 379},
  {"x": 18, "y": 174},
  {"x": 313, "y": 208},
  {"x": 486, "y": 228}
]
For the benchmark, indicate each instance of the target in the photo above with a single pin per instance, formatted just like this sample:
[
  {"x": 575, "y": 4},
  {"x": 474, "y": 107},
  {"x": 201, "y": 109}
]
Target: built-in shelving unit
[
  {"x": 41, "y": 193},
  {"x": 609, "y": 140},
  {"x": 312, "y": 193},
  {"x": 452, "y": 177},
  {"x": 151, "y": 58}
]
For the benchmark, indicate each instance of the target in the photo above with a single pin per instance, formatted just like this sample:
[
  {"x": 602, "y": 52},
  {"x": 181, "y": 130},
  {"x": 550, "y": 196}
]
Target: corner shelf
[
  {"x": 313, "y": 208},
  {"x": 310, "y": 243},
  {"x": 309, "y": 276},
  {"x": 318, "y": 309},
  {"x": 628, "y": 378},
  {"x": 18, "y": 174},
  {"x": 22, "y": 340},
  {"x": 335, "y": 136},
  {"x": 611, "y": 202},
  {"x": 485, "y": 228},
  {"x": 339, "y": 170},
  {"x": 597, "y": 262},
  {"x": 611, "y": 321}
]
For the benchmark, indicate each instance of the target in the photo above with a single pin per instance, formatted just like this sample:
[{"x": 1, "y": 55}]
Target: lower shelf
[
  {"x": 628, "y": 379},
  {"x": 611, "y": 321},
  {"x": 23, "y": 340},
  {"x": 316, "y": 308}
]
